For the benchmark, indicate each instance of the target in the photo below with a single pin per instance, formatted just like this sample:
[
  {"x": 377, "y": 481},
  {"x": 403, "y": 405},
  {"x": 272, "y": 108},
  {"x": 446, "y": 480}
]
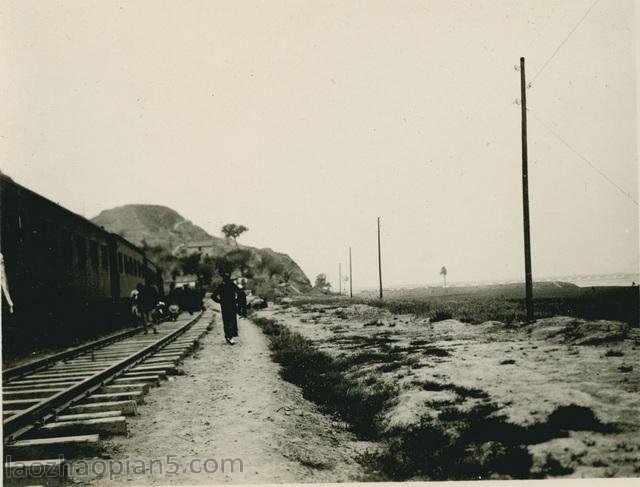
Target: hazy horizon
[{"x": 307, "y": 121}]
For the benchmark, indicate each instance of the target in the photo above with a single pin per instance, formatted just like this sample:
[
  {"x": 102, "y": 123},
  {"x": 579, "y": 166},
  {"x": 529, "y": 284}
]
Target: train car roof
[
  {"x": 123, "y": 240},
  {"x": 8, "y": 180}
]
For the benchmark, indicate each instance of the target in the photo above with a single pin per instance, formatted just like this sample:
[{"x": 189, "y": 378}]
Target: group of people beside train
[{"x": 148, "y": 307}]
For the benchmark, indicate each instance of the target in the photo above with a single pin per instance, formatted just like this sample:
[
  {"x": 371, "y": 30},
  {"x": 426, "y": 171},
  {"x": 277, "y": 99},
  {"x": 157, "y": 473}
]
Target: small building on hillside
[{"x": 204, "y": 247}]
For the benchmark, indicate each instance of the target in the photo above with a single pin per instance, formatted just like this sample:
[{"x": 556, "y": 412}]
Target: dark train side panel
[{"x": 64, "y": 272}]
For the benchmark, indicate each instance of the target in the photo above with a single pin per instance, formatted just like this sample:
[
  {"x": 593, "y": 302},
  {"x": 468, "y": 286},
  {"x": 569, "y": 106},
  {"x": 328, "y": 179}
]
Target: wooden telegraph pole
[
  {"x": 525, "y": 198},
  {"x": 379, "y": 260},
  {"x": 340, "y": 279},
  {"x": 350, "y": 276}
]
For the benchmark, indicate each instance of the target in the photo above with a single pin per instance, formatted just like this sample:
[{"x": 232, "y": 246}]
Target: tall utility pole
[
  {"x": 525, "y": 198},
  {"x": 350, "y": 276},
  {"x": 379, "y": 260},
  {"x": 340, "y": 279}
]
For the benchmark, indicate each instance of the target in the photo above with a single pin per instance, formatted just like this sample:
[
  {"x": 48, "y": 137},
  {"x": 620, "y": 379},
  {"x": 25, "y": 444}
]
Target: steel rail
[
  {"x": 45, "y": 362},
  {"x": 17, "y": 425}
]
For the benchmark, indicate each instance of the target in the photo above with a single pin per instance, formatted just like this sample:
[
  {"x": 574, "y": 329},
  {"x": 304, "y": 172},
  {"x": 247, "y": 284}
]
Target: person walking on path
[
  {"x": 227, "y": 294},
  {"x": 146, "y": 301}
]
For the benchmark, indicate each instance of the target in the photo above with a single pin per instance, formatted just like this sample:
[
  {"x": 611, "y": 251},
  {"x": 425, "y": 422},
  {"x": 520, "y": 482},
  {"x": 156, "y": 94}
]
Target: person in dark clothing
[
  {"x": 154, "y": 295},
  {"x": 227, "y": 295},
  {"x": 188, "y": 299},
  {"x": 179, "y": 298},
  {"x": 173, "y": 301},
  {"x": 242, "y": 302},
  {"x": 146, "y": 301},
  {"x": 201, "y": 294}
]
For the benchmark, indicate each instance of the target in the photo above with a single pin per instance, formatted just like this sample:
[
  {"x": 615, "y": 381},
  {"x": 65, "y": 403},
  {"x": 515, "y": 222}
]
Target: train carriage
[
  {"x": 66, "y": 275},
  {"x": 129, "y": 270}
]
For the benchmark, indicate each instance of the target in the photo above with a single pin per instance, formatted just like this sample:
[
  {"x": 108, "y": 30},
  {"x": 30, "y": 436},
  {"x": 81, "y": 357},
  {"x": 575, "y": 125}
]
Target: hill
[
  {"x": 154, "y": 225},
  {"x": 169, "y": 236}
]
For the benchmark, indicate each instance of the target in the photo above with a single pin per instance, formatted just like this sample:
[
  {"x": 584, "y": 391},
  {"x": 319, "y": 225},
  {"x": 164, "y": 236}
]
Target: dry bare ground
[
  {"x": 232, "y": 404},
  {"x": 572, "y": 385}
]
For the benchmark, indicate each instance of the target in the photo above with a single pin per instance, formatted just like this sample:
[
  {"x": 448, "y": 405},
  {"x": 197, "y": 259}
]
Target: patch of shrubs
[
  {"x": 477, "y": 443},
  {"x": 323, "y": 379},
  {"x": 436, "y": 351},
  {"x": 458, "y": 445},
  {"x": 614, "y": 353},
  {"x": 440, "y": 315}
]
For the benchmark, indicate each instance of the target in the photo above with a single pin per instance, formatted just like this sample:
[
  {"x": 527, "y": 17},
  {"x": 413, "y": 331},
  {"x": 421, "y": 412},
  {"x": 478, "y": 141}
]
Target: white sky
[{"x": 306, "y": 120}]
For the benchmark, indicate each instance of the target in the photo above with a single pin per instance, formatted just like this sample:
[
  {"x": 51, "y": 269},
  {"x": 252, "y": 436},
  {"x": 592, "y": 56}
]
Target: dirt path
[{"x": 232, "y": 404}]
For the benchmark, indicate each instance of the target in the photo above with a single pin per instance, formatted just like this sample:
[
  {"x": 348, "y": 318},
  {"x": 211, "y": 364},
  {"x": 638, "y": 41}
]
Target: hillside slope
[
  {"x": 153, "y": 224},
  {"x": 160, "y": 226}
]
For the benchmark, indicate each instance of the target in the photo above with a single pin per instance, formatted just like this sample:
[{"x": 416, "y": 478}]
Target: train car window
[
  {"x": 104, "y": 257},
  {"x": 81, "y": 249},
  {"x": 120, "y": 265},
  {"x": 93, "y": 253}
]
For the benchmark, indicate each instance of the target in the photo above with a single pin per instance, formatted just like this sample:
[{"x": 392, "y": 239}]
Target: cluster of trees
[
  {"x": 322, "y": 284},
  {"x": 265, "y": 272}
]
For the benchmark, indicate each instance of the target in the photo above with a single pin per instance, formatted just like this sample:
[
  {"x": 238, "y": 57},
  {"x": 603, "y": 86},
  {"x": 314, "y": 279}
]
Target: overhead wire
[
  {"x": 490, "y": 126},
  {"x": 582, "y": 157},
  {"x": 554, "y": 133},
  {"x": 575, "y": 27}
]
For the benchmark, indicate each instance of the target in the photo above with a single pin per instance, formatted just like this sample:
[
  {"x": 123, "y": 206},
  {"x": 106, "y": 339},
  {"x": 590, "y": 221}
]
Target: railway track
[{"x": 60, "y": 407}]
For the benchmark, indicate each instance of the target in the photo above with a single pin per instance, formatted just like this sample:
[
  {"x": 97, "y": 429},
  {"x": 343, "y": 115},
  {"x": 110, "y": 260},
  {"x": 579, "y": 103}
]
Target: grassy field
[{"x": 505, "y": 303}]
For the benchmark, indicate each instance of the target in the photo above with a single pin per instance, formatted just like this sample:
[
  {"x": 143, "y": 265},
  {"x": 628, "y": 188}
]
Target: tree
[
  {"x": 443, "y": 273},
  {"x": 222, "y": 265},
  {"x": 189, "y": 263},
  {"x": 233, "y": 231},
  {"x": 322, "y": 284},
  {"x": 243, "y": 260},
  {"x": 206, "y": 270}
]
